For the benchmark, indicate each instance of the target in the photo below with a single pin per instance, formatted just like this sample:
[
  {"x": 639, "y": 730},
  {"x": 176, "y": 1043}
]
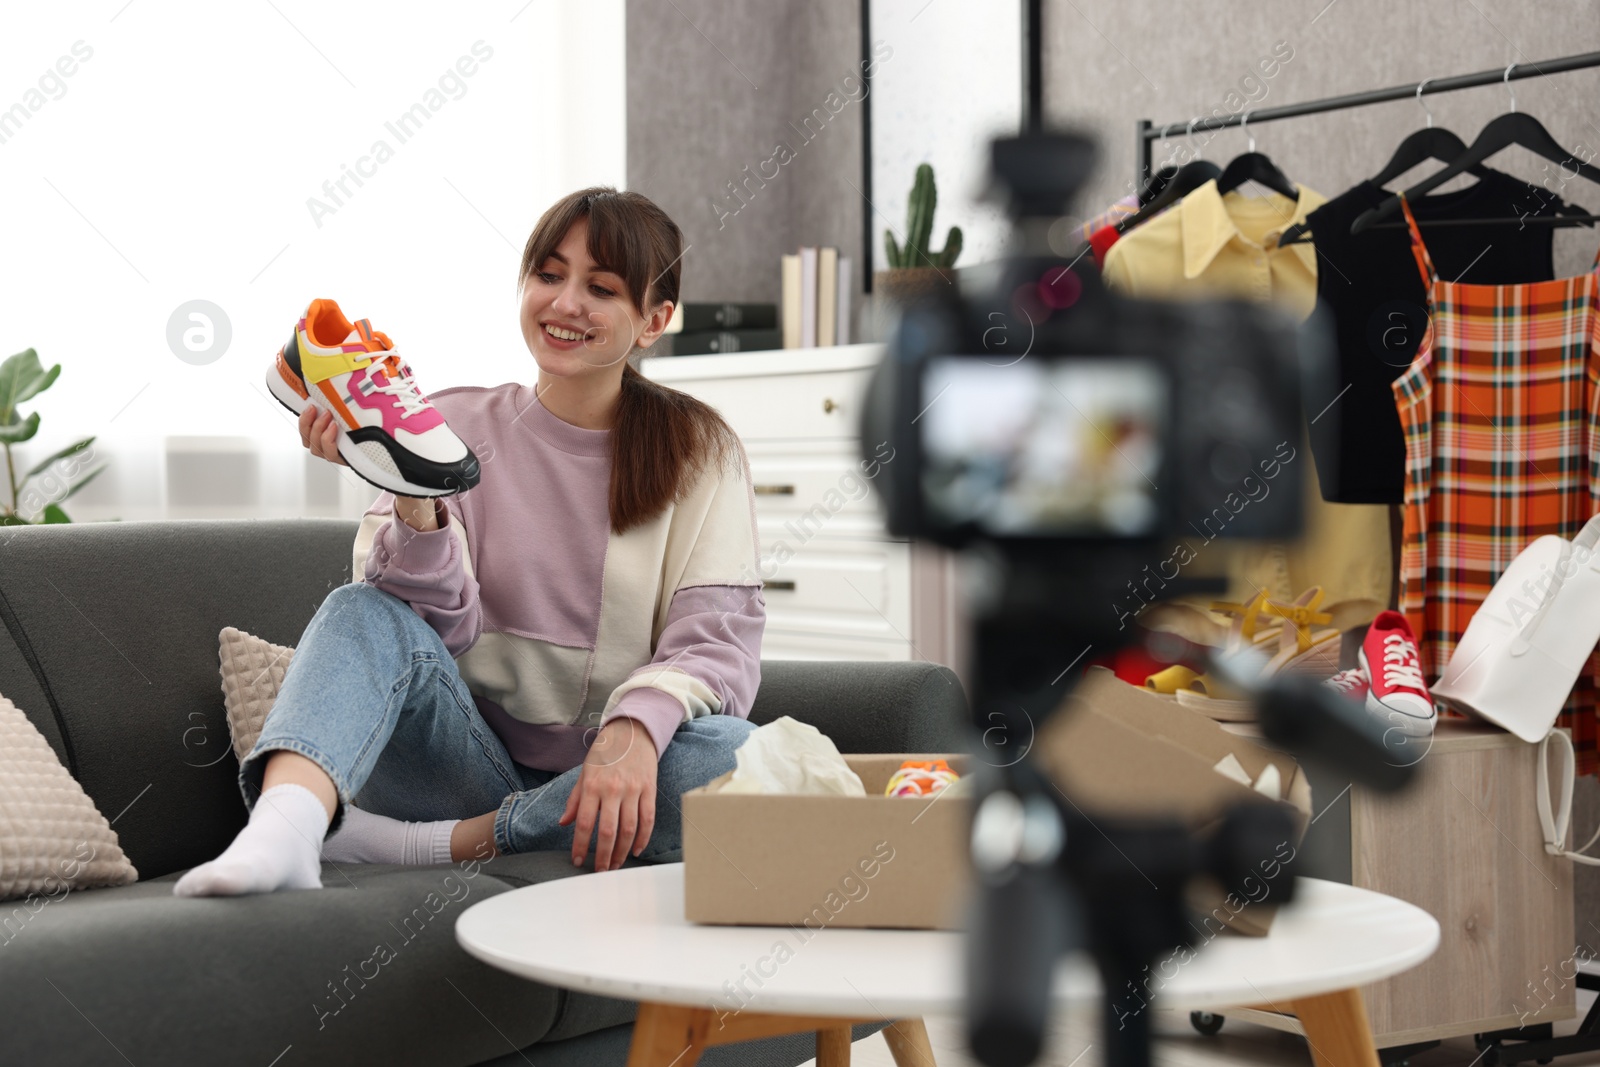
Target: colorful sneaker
[
  {"x": 389, "y": 433},
  {"x": 1398, "y": 694},
  {"x": 1351, "y": 683}
]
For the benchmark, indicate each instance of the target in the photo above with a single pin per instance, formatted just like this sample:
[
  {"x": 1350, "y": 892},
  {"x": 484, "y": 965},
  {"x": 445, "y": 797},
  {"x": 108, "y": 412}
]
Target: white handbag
[
  {"x": 1532, "y": 636},
  {"x": 1555, "y": 824}
]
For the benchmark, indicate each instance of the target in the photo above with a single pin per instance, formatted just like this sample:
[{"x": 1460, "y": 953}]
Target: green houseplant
[
  {"x": 914, "y": 268},
  {"x": 22, "y": 378}
]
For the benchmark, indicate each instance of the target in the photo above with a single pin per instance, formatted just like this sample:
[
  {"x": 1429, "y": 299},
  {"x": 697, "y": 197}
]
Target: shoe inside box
[
  {"x": 811, "y": 861},
  {"x": 874, "y": 769},
  {"x": 1118, "y": 750},
  {"x": 1129, "y": 751}
]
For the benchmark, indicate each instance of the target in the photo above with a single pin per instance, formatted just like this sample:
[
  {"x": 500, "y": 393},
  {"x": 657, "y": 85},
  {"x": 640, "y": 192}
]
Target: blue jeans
[{"x": 373, "y": 698}]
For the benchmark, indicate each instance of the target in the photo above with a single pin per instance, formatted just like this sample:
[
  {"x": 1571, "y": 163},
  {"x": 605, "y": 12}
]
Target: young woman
[{"x": 552, "y": 658}]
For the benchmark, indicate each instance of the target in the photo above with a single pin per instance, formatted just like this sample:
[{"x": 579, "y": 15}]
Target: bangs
[
  {"x": 619, "y": 242},
  {"x": 620, "y": 247}
]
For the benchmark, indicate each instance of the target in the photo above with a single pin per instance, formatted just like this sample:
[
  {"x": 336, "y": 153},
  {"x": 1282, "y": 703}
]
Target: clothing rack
[
  {"x": 1146, "y": 133},
  {"x": 1517, "y": 1044}
]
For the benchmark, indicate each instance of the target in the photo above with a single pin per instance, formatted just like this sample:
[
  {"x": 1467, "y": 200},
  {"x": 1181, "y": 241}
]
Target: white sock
[
  {"x": 277, "y": 849},
  {"x": 364, "y": 837}
]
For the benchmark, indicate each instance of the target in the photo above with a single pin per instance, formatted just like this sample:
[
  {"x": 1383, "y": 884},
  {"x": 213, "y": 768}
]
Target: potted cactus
[{"x": 915, "y": 270}]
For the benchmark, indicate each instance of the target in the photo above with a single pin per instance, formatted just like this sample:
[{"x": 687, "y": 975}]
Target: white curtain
[{"x": 391, "y": 156}]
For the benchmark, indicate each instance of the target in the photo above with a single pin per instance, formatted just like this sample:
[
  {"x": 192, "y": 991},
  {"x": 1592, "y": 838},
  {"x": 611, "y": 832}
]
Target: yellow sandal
[
  {"x": 1246, "y": 627},
  {"x": 1301, "y": 650},
  {"x": 1310, "y": 652},
  {"x": 1246, "y": 630},
  {"x": 1168, "y": 681}
]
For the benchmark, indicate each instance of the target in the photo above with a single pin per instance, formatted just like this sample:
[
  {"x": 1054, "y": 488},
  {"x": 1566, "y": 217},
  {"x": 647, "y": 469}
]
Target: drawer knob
[
  {"x": 779, "y": 583},
  {"x": 774, "y": 490},
  {"x": 828, "y": 406}
]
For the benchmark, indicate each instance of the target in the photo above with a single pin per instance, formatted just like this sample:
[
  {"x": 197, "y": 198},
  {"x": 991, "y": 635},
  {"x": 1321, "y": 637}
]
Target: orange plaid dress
[{"x": 1501, "y": 412}]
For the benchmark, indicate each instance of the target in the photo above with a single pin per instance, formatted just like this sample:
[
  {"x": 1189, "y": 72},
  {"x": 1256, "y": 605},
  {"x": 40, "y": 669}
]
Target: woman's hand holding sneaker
[{"x": 320, "y": 434}]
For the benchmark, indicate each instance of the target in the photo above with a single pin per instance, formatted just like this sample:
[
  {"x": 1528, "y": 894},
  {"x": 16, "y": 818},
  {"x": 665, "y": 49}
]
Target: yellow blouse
[{"x": 1212, "y": 245}]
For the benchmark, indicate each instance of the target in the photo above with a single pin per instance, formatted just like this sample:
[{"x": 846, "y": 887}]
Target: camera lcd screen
[{"x": 1048, "y": 447}]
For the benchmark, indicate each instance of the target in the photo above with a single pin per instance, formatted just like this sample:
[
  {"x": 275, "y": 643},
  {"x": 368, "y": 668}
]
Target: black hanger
[
  {"x": 1512, "y": 128},
  {"x": 1190, "y": 177},
  {"x": 1155, "y": 183},
  {"x": 1256, "y": 167},
  {"x": 1430, "y": 142}
]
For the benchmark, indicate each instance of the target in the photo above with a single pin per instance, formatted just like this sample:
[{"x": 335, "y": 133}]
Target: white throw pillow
[
  {"x": 51, "y": 834},
  {"x": 252, "y": 673}
]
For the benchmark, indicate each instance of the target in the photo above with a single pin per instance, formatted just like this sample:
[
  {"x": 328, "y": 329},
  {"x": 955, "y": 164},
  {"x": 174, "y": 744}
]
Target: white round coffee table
[{"x": 623, "y": 934}]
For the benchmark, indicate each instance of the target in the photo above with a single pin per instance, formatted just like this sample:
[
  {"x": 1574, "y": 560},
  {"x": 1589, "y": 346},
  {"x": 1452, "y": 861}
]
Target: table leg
[
  {"x": 666, "y": 1035},
  {"x": 833, "y": 1047},
  {"x": 908, "y": 1043},
  {"x": 1337, "y": 1030}
]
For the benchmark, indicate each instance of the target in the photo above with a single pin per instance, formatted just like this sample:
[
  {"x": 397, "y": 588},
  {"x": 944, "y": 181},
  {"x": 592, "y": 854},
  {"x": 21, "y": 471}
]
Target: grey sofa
[{"x": 110, "y": 648}]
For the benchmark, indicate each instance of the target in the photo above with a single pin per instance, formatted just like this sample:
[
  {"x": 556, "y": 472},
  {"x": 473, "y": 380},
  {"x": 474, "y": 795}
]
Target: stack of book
[
  {"x": 706, "y": 329},
  {"x": 817, "y": 285}
]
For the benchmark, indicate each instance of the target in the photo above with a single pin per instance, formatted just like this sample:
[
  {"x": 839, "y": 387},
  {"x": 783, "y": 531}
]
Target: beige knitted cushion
[
  {"x": 51, "y": 834},
  {"x": 252, "y": 673}
]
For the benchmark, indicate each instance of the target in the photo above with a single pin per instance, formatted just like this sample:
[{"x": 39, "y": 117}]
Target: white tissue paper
[
  {"x": 1229, "y": 765},
  {"x": 788, "y": 756},
  {"x": 1269, "y": 784}
]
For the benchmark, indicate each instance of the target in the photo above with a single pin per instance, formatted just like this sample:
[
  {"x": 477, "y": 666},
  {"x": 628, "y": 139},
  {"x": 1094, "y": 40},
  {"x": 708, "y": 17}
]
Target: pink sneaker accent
[{"x": 382, "y": 387}]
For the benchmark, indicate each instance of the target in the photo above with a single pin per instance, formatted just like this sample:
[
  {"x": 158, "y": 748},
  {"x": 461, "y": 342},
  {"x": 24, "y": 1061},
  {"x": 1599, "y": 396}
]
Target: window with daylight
[
  {"x": 920, "y": 114},
  {"x": 186, "y": 177}
]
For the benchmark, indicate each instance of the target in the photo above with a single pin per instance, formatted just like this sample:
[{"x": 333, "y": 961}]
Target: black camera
[{"x": 1068, "y": 438}]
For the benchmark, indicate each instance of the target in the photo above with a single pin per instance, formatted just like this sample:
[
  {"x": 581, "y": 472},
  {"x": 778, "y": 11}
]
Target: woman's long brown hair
[{"x": 661, "y": 437}]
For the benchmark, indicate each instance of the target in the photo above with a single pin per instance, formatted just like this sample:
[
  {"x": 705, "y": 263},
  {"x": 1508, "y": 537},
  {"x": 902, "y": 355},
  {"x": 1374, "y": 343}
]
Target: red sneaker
[
  {"x": 1398, "y": 692},
  {"x": 1351, "y": 683}
]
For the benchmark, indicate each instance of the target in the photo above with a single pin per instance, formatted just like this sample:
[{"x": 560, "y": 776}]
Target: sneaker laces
[
  {"x": 1400, "y": 667},
  {"x": 1347, "y": 681},
  {"x": 400, "y": 385}
]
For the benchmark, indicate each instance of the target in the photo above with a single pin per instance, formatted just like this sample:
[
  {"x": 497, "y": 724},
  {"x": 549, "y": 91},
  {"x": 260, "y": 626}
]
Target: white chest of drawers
[{"x": 837, "y": 585}]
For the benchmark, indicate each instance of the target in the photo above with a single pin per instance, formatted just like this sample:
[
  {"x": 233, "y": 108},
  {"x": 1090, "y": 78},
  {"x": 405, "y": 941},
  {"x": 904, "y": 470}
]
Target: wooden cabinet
[
  {"x": 1464, "y": 844},
  {"x": 837, "y": 585}
]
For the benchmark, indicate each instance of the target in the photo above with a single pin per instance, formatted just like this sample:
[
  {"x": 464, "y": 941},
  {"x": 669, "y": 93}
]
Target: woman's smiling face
[{"x": 577, "y": 316}]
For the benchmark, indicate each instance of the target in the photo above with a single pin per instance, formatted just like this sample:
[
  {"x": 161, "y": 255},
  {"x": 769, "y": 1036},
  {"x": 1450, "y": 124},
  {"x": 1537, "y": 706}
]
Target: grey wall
[
  {"x": 713, "y": 88},
  {"x": 1111, "y": 62}
]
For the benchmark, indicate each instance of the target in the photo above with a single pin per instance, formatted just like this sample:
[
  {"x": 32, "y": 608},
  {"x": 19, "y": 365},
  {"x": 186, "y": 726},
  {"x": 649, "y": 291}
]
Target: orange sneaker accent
[
  {"x": 291, "y": 378},
  {"x": 920, "y": 778},
  {"x": 350, "y": 421},
  {"x": 374, "y": 341},
  {"x": 326, "y": 325}
]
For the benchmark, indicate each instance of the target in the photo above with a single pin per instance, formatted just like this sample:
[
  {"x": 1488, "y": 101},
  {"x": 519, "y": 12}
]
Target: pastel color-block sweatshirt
[{"x": 557, "y": 624}]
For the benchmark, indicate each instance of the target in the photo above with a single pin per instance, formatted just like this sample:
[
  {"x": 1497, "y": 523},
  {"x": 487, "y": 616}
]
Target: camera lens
[{"x": 1229, "y": 462}]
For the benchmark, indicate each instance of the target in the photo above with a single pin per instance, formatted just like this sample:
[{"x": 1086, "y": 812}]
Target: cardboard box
[
  {"x": 1123, "y": 750},
  {"x": 821, "y": 861}
]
